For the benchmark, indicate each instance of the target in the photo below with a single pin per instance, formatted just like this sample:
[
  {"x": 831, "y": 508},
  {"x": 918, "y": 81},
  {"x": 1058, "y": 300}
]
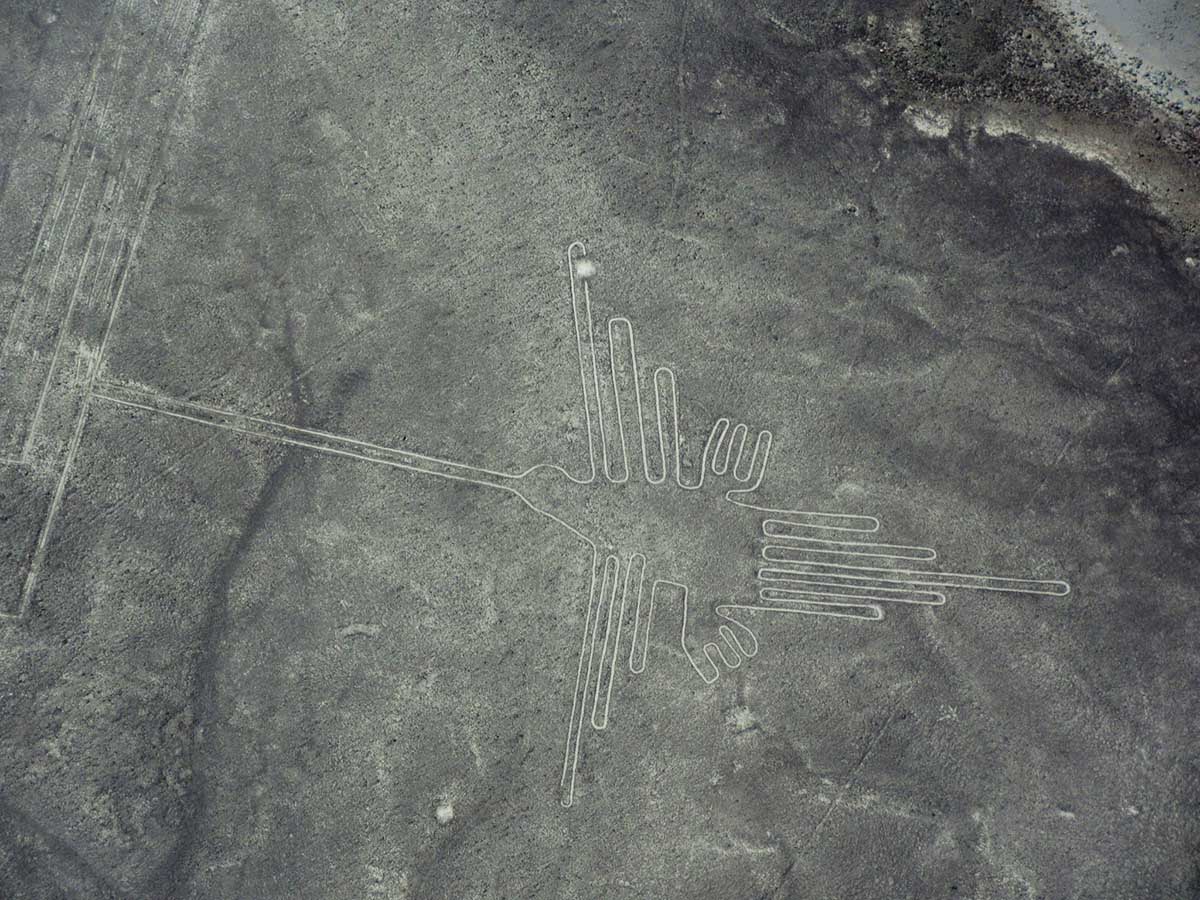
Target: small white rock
[
  {"x": 1190, "y": 262},
  {"x": 585, "y": 268},
  {"x": 444, "y": 812}
]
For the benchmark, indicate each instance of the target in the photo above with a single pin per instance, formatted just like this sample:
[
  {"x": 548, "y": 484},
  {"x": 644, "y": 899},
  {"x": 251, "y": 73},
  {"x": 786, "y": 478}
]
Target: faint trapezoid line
[
  {"x": 61, "y": 182},
  {"x": 148, "y": 188},
  {"x": 164, "y": 32}
]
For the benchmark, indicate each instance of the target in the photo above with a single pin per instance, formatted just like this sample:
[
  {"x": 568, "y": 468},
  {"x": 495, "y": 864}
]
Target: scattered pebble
[
  {"x": 43, "y": 17},
  {"x": 444, "y": 812},
  {"x": 741, "y": 720},
  {"x": 585, "y": 268}
]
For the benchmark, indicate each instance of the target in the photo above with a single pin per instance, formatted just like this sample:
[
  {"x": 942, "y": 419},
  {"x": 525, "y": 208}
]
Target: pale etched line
[
  {"x": 711, "y": 650},
  {"x": 608, "y": 598},
  {"x": 613, "y": 324},
  {"x": 615, "y": 387},
  {"x": 736, "y": 437},
  {"x": 35, "y": 565},
  {"x": 871, "y": 526},
  {"x": 63, "y": 330},
  {"x": 871, "y": 745},
  {"x": 84, "y": 407},
  {"x": 587, "y": 399},
  {"x": 612, "y": 661},
  {"x": 668, "y": 375},
  {"x": 59, "y": 190},
  {"x": 422, "y": 469},
  {"x": 98, "y": 275},
  {"x": 571, "y": 754},
  {"x": 39, "y": 555},
  {"x": 418, "y": 462},
  {"x": 43, "y": 541},
  {"x": 756, "y": 466},
  {"x": 867, "y": 612},
  {"x": 745, "y": 474},
  {"x": 590, "y": 648},
  {"x": 736, "y": 641},
  {"x": 720, "y": 431},
  {"x": 587, "y": 359},
  {"x": 30, "y": 431},
  {"x": 66, "y": 240},
  {"x": 777, "y": 529},
  {"x": 796, "y": 552},
  {"x": 147, "y": 203},
  {"x": 144, "y": 69},
  {"x": 845, "y": 521},
  {"x": 726, "y": 451},
  {"x": 429, "y": 466},
  {"x": 605, "y": 596},
  {"x": 639, "y": 667},
  {"x": 776, "y": 582},
  {"x": 923, "y": 598},
  {"x": 678, "y": 164},
  {"x": 130, "y": 257},
  {"x": 151, "y": 190},
  {"x": 115, "y": 266},
  {"x": 175, "y": 19},
  {"x": 668, "y": 378},
  {"x": 587, "y": 304},
  {"x": 83, "y": 186},
  {"x": 730, "y": 457},
  {"x": 664, "y": 379},
  {"x": 637, "y": 395},
  {"x": 924, "y": 578},
  {"x": 256, "y": 426},
  {"x": 160, "y": 36}
]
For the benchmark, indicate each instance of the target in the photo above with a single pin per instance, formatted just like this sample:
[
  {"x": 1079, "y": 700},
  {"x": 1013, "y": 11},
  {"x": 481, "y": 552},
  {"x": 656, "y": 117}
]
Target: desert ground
[{"x": 715, "y": 449}]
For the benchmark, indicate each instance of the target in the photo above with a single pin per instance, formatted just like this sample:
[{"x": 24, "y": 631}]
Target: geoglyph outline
[{"x": 795, "y": 575}]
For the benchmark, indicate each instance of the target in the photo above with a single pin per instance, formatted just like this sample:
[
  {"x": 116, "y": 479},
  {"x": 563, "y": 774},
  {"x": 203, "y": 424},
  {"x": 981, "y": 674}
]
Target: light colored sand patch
[
  {"x": 929, "y": 122},
  {"x": 1152, "y": 44}
]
